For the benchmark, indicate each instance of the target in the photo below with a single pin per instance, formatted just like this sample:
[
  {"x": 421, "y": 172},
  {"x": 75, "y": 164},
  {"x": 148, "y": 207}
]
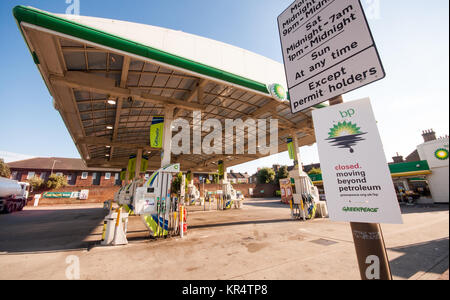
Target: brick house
[
  {"x": 235, "y": 178},
  {"x": 77, "y": 174},
  {"x": 238, "y": 178}
]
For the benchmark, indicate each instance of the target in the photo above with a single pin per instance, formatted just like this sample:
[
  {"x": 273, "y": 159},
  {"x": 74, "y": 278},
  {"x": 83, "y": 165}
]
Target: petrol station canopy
[{"x": 109, "y": 78}]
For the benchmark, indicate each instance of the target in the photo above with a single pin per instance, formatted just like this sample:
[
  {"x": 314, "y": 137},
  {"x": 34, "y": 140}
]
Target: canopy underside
[{"x": 83, "y": 76}]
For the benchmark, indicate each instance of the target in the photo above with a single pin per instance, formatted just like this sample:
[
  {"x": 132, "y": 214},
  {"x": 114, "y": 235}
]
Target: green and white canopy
[{"x": 87, "y": 61}]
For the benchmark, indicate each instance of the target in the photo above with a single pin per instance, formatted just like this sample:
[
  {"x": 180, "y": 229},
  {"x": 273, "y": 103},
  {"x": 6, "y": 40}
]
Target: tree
[
  {"x": 266, "y": 175},
  {"x": 36, "y": 183},
  {"x": 55, "y": 182},
  {"x": 4, "y": 169},
  {"x": 216, "y": 178},
  {"x": 176, "y": 183},
  {"x": 315, "y": 171},
  {"x": 282, "y": 174}
]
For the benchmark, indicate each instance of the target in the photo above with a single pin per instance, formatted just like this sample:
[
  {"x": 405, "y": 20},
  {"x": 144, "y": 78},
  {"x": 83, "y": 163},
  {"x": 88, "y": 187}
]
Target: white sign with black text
[
  {"x": 356, "y": 176},
  {"x": 328, "y": 50}
]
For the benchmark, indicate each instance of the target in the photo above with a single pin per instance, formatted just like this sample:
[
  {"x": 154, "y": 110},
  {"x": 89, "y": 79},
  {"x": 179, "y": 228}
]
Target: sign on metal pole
[
  {"x": 355, "y": 172},
  {"x": 328, "y": 50}
]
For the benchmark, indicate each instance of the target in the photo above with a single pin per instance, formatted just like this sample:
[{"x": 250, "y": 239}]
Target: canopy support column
[
  {"x": 167, "y": 138},
  {"x": 127, "y": 177},
  {"x": 297, "y": 158},
  {"x": 297, "y": 174},
  {"x": 225, "y": 175},
  {"x": 138, "y": 164}
]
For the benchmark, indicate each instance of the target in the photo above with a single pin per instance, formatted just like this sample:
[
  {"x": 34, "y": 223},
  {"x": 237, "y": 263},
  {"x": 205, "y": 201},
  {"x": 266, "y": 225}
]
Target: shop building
[
  {"x": 424, "y": 173},
  {"x": 76, "y": 172}
]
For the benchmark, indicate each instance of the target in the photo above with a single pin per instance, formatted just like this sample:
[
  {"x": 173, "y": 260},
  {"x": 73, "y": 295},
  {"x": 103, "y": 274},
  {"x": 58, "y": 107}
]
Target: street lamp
[{"x": 54, "y": 162}]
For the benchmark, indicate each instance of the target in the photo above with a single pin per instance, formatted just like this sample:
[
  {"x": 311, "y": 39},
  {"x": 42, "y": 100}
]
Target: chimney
[
  {"x": 398, "y": 159},
  {"x": 429, "y": 135}
]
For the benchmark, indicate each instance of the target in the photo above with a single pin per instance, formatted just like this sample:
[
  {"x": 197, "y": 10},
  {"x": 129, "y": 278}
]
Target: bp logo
[
  {"x": 278, "y": 91},
  {"x": 441, "y": 154},
  {"x": 345, "y": 136}
]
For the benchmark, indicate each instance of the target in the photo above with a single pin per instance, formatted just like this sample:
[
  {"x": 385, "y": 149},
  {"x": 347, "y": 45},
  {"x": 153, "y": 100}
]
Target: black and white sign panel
[
  {"x": 328, "y": 50},
  {"x": 357, "y": 181}
]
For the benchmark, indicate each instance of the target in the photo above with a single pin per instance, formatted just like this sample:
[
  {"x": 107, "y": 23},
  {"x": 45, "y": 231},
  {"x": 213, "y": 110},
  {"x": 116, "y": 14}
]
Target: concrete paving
[{"x": 259, "y": 241}]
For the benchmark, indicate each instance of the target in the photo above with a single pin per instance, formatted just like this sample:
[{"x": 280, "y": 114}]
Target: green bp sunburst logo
[
  {"x": 344, "y": 129},
  {"x": 441, "y": 154},
  {"x": 278, "y": 91},
  {"x": 345, "y": 135}
]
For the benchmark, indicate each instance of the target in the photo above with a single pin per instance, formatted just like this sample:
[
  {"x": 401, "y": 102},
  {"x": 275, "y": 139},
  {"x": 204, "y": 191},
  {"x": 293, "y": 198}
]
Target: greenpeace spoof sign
[
  {"x": 356, "y": 176},
  {"x": 328, "y": 50}
]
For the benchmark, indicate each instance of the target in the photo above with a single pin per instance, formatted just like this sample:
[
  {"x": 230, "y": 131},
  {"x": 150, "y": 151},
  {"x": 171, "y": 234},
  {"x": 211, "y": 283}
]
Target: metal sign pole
[
  {"x": 371, "y": 251},
  {"x": 369, "y": 243}
]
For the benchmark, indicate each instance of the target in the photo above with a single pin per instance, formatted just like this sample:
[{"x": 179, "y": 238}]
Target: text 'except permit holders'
[{"x": 359, "y": 70}]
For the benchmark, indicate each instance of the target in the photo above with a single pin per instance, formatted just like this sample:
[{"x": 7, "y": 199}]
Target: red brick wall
[
  {"x": 83, "y": 182},
  {"x": 108, "y": 182},
  {"x": 88, "y": 182},
  {"x": 96, "y": 195},
  {"x": 103, "y": 181}
]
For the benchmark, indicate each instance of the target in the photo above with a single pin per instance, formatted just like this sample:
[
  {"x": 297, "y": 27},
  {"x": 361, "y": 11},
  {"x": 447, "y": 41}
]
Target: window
[
  {"x": 107, "y": 176},
  {"x": 84, "y": 175},
  {"x": 30, "y": 175},
  {"x": 117, "y": 181},
  {"x": 59, "y": 174},
  {"x": 96, "y": 177},
  {"x": 69, "y": 177},
  {"x": 147, "y": 176},
  {"x": 43, "y": 175}
]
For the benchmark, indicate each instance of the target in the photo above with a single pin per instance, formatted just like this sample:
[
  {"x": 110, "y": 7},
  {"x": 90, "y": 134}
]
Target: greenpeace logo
[{"x": 360, "y": 209}]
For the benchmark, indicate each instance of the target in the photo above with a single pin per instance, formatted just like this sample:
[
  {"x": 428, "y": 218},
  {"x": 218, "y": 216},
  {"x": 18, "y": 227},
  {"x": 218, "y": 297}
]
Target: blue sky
[{"x": 411, "y": 35}]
